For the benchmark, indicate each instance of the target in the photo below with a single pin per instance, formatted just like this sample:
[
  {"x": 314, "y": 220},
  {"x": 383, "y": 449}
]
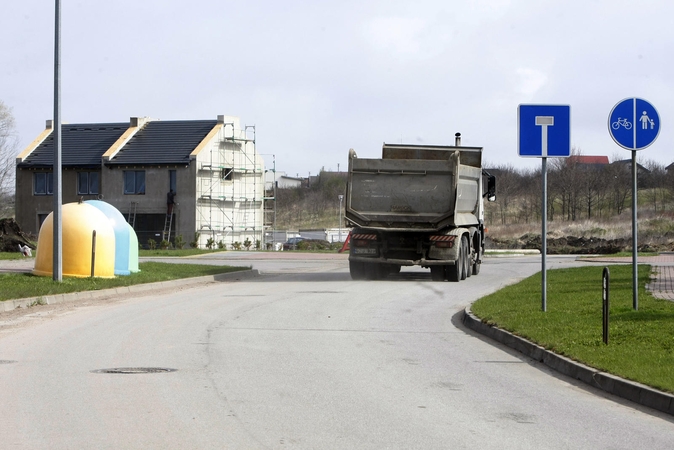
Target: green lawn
[
  {"x": 23, "y": 285},
  {"x": 176, "y": 252},
  {"x": 641, "y": 343},
  {"x": 12, "y": 255}
]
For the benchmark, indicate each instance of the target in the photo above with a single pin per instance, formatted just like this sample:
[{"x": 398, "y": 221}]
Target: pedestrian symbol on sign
[{"x": 646, "y": 121}]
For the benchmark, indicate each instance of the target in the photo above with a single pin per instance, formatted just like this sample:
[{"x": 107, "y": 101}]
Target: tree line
[
  {"x": 579, "y": 191},
  {"x": 576, "y": 191}
]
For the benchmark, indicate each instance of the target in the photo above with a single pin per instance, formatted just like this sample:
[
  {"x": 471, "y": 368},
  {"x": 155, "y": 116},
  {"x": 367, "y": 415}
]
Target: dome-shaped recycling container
[{"x": 79, "y": 221}]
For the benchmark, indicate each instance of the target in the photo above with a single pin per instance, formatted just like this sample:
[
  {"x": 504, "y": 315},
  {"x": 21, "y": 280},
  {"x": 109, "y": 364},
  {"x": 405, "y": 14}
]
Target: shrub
[
  {"x": 179, "y": 242},
  {"x": 195, "y": 242},
  {"x": 164, "y": 244},
  {"x": 313, "y": 244},
  {"x": 210, "y": 242},
  {"x": 221, "y": 245},
  {"x": 247, "y": 243},
  {"x": 152, "y": 244},
  {"x": 258, "y": 244},
  {"x": 236, "y": 245}
]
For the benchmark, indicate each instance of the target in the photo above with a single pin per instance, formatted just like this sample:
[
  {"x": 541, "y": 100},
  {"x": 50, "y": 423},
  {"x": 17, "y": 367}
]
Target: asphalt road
[{"x": 300, "y": 357}]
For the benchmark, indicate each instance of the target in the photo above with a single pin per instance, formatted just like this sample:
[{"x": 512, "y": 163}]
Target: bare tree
[
  {"x": 508, "y": 188},
  {"x": 655, "y": 184},
  {"x": 531, "y": 195},
  {"x": 619, "y": 181},
  {"x": 565, "y": 184},
  {"x": 8, "y": 143}
]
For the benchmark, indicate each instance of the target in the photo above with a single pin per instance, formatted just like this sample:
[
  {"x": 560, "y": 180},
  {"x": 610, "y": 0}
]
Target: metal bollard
[
  {"x": 605, "y": 304},
  {"x": 93, "y": 252}
]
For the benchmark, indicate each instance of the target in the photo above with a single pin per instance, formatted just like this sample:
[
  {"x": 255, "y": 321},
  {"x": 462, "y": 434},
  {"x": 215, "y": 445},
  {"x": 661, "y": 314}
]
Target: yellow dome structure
[{"x": 78, "y": 222}]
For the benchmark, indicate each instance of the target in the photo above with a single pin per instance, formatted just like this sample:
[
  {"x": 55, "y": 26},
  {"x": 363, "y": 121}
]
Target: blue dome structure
[{"x": 126, "y": 241}]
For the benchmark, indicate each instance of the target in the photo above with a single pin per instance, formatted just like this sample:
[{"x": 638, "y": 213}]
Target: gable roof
[
  {"x": 628, "y": 163},
  {"x": 82, "y": 146},
  {"x": 163, "y": 142}
]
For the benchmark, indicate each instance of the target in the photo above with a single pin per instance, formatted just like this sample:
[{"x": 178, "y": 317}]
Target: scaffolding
[
  {"x": 230, "y": 189},
  {"x": 269, "y": 222}
]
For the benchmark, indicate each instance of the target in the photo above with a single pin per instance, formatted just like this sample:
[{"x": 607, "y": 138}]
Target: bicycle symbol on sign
[{"x": 621, "y": 122}]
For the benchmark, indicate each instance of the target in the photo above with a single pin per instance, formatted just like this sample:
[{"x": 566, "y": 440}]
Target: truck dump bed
[{"x": 415, "y": 188}]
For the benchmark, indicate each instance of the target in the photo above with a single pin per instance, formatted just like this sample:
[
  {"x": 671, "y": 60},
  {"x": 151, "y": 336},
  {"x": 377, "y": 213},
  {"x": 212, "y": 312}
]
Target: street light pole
[{"x": 341, "y": 197}]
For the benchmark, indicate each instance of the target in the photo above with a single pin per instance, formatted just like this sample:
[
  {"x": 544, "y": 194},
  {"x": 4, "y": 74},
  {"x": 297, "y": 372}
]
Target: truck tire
[
  {"x": 375, "y": 271},
  {"x": 469, "y": 259},
  {"x": 478, "y": 254},
  {"x": 438, "y": 273},
  {"x": 356, "y": 270},
  {"x": 464, "y": 258},
  {"x": 455, "y": 272}
]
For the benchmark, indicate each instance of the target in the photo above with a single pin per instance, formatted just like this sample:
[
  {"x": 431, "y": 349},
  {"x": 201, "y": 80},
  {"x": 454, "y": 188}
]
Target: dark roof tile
[
  {"x": 82, "y": 145},
  {"x": 163, "y": 142}
]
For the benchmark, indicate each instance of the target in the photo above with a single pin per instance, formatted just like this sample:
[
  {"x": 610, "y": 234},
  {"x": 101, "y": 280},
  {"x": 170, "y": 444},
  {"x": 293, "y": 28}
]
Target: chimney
[
  {"x": 139, "y": 122},
  {"x": 457, "y": 139}
]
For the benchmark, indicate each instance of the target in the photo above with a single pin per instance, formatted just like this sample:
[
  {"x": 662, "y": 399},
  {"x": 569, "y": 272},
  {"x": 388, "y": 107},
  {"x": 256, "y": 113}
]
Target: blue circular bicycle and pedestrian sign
[{"x": 634, "y": 123}]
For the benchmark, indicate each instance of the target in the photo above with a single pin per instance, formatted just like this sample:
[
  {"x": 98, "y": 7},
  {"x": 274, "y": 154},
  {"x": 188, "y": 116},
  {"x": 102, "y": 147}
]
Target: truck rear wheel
[
  {"x": 438, "y": 273},
  {"x": 357, "y": 270},
  {"x": 469, "y": 258},
  {"x": 375, "y": 271},
  {"x": 479, "y": 251},
  {"x": 464, "y": 257},
  {"x": 455, "y": 272}
]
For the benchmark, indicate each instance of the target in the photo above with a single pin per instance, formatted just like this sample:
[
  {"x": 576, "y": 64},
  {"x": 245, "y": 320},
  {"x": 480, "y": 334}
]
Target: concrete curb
[
  {"x": 9, "y": 305},
  {"x": 630, "y": 390}
]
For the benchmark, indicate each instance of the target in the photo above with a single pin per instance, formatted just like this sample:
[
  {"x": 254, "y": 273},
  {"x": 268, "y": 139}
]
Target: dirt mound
[
  {"x": 11, "y": 236},
  {"x": 571, "y": 245}
]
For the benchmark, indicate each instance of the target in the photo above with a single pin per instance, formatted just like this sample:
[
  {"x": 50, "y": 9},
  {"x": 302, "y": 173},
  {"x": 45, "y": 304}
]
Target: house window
[
  {"x": 226, "y": 173},
  {"x": 43, "y": 183},
  {"x": 87, "y": 183},
  {"x": 40, "y": 220},
  {"x": 172, "y": 181},
  {"x": 134, "y": 182}
]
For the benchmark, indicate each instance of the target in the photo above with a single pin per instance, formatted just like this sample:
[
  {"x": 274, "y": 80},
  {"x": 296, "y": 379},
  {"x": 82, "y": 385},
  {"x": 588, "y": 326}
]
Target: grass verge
[
  {"x": 177, "y": 252},
  {"x": 11, "y": 255},
  {"x": 641, "y": 343},
  {"x": 25, "y": 285}
]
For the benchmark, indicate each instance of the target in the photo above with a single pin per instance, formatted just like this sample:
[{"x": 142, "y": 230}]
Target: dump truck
[{"x": 419, "y": 205}]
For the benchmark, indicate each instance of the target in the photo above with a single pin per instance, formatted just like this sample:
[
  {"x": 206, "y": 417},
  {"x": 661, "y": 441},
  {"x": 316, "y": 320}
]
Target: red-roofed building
[{"x": 582, "y": 159}]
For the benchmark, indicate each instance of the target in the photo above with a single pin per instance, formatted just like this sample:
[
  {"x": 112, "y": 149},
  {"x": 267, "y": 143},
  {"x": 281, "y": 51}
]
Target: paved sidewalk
[{"x": 662, "y": 277}]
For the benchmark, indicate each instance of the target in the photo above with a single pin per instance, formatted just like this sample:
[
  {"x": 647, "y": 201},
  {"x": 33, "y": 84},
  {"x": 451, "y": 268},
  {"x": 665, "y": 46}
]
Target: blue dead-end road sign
[
  {"x": 544, "y": 131},
  {"x": 634, "y": 123}
]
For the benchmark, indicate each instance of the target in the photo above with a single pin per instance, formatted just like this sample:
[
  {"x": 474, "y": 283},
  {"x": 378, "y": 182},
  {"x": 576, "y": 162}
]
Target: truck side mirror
[{"x": 491, "y": 188}]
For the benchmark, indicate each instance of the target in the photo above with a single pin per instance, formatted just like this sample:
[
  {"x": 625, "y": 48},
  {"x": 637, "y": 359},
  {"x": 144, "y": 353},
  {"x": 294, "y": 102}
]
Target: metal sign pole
[
  {"x": 634, "y": 124},
  {"x": 635, "y": 290},
  {"x": 544, "y": 235},
  {"x": 544, "y": 131},
  {"x": 57, "y": 254}
]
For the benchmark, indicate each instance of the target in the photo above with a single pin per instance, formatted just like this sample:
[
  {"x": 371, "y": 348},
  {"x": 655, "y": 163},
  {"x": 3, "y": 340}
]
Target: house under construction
[{"x": 212, "y": 166}]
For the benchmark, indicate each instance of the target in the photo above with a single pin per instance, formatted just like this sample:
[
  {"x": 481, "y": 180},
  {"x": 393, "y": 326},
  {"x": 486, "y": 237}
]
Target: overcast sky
[{"x": 317, "y": 78}]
